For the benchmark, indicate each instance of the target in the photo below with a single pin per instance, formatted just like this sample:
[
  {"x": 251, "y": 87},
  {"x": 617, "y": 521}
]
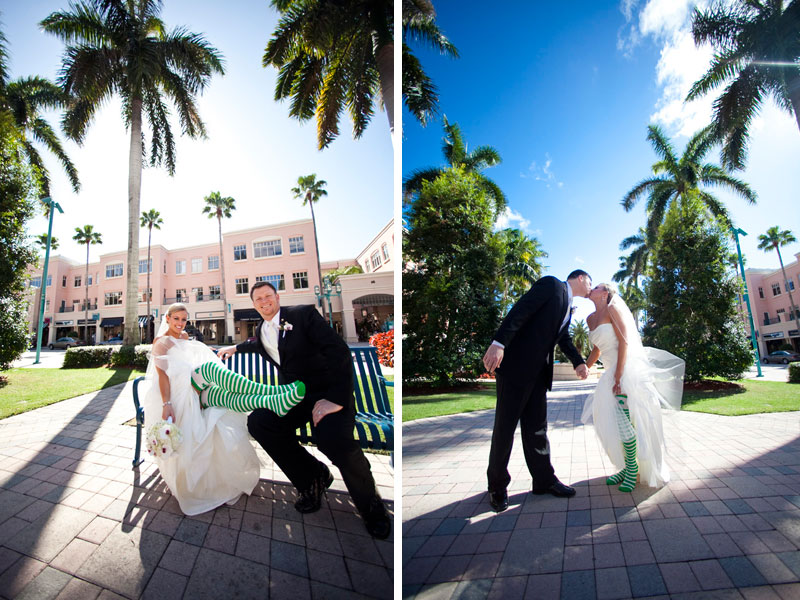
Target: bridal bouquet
[{"x": 164, "y": 438}]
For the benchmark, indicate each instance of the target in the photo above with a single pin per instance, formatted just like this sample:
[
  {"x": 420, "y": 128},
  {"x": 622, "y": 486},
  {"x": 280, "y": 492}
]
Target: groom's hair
[
  {"x": 260, "y": 284},
  {"x": 574, "y": 275}
]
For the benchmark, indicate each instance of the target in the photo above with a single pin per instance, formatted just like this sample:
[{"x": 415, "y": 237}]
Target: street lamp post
[
  {"x": 736, "y": 233},
  {"x": 328, "y": 291},
  {"x": 53, "y": 207}
]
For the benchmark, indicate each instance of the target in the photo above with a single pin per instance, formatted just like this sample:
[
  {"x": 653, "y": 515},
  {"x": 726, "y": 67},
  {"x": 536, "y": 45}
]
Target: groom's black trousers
[
  {"x": 526, "y": 404},
  {"x": 334, "y": 438}
]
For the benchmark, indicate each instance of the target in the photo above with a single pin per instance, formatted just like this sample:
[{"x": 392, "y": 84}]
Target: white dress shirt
[{"x": 269, "y": 337}]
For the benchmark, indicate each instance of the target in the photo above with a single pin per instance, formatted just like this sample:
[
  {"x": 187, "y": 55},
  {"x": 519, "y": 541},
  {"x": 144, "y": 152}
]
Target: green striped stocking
[
  {"x": 283, "y": 398},
  {"x": 626, "y": 477}
]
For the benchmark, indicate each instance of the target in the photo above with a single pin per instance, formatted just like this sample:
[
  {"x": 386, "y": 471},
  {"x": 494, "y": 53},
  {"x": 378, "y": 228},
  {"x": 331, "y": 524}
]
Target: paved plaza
[
  {"x": 77, "y": 522},
  {"x": 726, "y": 526}
]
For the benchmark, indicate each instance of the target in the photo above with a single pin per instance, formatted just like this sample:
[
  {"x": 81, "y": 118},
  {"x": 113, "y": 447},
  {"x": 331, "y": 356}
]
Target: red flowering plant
[{"x": 384, "y": 344}]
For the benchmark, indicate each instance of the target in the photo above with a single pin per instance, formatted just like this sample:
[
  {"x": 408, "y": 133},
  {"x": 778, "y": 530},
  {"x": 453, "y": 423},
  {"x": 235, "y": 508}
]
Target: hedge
[
  {"x": 84, "y": 357},
  {"x": 794, "y": 372}
]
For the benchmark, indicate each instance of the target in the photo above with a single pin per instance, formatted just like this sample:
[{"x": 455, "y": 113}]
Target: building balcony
[
  {"x": 772, "y": 321},
  {"x": 191, "y": 300},
  {"x": 66, "y": 309}
]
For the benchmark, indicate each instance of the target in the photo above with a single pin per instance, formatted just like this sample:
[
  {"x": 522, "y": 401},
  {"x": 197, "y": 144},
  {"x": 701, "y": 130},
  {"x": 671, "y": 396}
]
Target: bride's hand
[
  {"x": 167, "y": 412},
  {"x": 617, "y": 387}
]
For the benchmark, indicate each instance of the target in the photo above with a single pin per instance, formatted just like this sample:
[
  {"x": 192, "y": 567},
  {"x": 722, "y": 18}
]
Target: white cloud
[
  {"x": 542, "y": 173},
  {"x": 579, "y": 260},
  {"x": 509, "y": 218}
]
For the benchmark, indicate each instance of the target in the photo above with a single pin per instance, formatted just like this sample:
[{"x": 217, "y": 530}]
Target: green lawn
[
  {"x": 27, "y": 389},
  {"x": 756, "y": 397}
]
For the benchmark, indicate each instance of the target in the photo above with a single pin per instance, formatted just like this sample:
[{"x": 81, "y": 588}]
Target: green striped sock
[
  {"x": 280, "y": 401},
  {"x": 631, "y": 468},
  {"x": 628, "y": 435},
  {"x": 213, "y": 373}
]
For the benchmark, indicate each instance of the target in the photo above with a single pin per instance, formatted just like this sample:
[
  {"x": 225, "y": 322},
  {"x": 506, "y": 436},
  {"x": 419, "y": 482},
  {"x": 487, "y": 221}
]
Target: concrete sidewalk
[
  {"x": 77, "y": 522},
  {"x": 726, "y": 526}
]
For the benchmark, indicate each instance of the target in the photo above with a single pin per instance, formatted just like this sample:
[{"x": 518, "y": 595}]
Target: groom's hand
[
  {"x": 582, "y": 371},
  {"x": 493, "y": 358},
  {"x": 224, "y": 353},
  {"x": 323, "y": 408}
]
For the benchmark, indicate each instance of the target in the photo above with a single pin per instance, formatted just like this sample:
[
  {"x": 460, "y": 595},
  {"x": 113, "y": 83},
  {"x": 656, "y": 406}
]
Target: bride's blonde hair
[
  {"x": 176, "y": 307},
  {"x": 611, "y": 289}
]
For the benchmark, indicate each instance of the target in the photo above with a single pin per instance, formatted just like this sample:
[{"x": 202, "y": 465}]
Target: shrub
[
  {"x": 794, "y": 372},
  {"x": 131, "y": 356},
  {"x": 384, "y": 343},
  {"x": 85, "y": 357}
]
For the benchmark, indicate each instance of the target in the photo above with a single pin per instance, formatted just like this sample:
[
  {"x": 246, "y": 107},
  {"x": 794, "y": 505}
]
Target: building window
[
  {"x": 385, "y": 251},
  {"x": 296, "y": 245},
  {"x": 180, "y": 295},
  {"x": 47, "y": 305},
  {"x": 213, "y": 292},
  {"x": 376, "y": 260},
  {"x": 300, "y": 280},
  {"x": 143, "y": 265},
  {"x": 113, "y": 298},
  {"x": 277, "y": 281},
  {"x": 213, "y": 263},
  {"x": 64, "y": 281},
  {"x": 114, "y": 270},
  {"x": 36, "y": 282},
  {"x": 49, "y": 280},
  {"x": 180, "y": 267},
  {"x": 240, "y": 252},
  {"x": 89, "y": 281},
  {"x": 77, "y": 282},
  {"x": 143, "y": 297},
  {"x": 366, "y": 266},
  {"x": 268, "y": 248},
  {"x": 776, "y": 289},
  {"x": 760, "y": 292},
  {"x": 198, "y": 294},
  {"x": 789, "y": 285},
  {"x": 242, "y": 285},
  {"x": 197, "y": 265},
  {"x": 165, "y": 267}
]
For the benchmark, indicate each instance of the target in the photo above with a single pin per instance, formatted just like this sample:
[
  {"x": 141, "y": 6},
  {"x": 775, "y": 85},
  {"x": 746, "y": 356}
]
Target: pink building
[
  {"x": 772, "y": 313},
  {"x": 282, "y": 254}
]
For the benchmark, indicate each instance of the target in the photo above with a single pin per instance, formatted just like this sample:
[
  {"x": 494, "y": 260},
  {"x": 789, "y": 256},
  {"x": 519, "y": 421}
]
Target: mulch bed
[
  {"x": 712, "y": 385},
  {"x": 424, "y": 390}
]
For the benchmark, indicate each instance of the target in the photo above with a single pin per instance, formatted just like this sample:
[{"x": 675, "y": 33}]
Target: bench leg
[{"x": 137, "y": 460}]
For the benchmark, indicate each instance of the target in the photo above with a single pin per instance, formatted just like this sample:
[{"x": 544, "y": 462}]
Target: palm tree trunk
[
  {"x": 786, "y": 284},
  {"x": 131, "y": 331},
  {"x": 86, "y": 297},
  {"x": 147, "y": 290},
  {"x": 385, "y": 60},
  {"x": 316, "y": 248},
  {"x": 224, "y": 294}
]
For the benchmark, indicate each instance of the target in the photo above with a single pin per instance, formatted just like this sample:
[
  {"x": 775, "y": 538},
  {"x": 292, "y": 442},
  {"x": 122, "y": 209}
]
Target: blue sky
[
  {"x": 565, "y": 91},
  {"x": 254, "y": 151}
]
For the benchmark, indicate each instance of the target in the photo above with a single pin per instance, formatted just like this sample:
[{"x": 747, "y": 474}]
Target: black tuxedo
[
  {"x": 529, "y": 333},
  {"x": 312, "y": 352}
]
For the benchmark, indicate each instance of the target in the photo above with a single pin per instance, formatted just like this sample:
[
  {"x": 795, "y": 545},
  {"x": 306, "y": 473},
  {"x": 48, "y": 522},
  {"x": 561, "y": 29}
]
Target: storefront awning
[
  {"x": 83, "y": 321},
  {"x": 374, "y": 300},
  {"x": 246, "y": 314},
  {"x": 143, "y": 321},
  {"x": 111, "y": 321}
]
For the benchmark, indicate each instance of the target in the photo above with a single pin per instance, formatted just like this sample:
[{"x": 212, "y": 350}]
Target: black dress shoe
[
  {"x": 311, "y": 498},
  {"x": 556, "y": 488},
  {"x": 377, "y": 520},
  {"x": 498, "y": 500}
]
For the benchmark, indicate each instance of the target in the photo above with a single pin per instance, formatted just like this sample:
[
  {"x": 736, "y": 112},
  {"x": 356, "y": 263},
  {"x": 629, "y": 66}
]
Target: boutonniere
[
  {"x": 572, "y": 310},
  {"x": 284, "y": 327}
]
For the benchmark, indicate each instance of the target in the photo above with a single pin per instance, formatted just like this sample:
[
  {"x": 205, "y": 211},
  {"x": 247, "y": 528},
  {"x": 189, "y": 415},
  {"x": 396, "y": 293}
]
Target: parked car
[
  {"x": 780, "y": 356},
  {"x": 65, "y": 342},
  {"x": 114, "y": 341}
]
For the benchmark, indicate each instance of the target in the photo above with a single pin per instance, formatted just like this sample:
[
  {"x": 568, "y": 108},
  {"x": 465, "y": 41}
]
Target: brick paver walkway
[
  {"x": 726, "y": 526},
  {"x": 77, "y": 522}
]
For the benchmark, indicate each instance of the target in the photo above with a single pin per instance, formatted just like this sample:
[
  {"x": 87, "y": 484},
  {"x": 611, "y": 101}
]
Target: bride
[
  {"x": 216, "y": 462},
  {"x": 626, "y": 404}
]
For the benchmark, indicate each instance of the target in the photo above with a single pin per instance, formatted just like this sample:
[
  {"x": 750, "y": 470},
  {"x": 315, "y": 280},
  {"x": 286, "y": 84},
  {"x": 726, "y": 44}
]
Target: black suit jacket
[
  {"x": 532, "y": 328},
  {"x": 311, "y": 352}
]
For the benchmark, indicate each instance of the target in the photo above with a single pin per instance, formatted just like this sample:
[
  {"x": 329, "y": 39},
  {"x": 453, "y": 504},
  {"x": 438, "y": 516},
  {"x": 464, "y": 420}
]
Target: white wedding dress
[
  {"x": 216, "y": 462},
  {"x": 652, "y": 378}
]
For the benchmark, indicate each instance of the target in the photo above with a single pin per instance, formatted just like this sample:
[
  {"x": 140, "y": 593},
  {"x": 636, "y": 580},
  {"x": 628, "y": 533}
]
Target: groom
[
  {"x": 524, "y": 344},
  {"x": 298, "y": 341}
]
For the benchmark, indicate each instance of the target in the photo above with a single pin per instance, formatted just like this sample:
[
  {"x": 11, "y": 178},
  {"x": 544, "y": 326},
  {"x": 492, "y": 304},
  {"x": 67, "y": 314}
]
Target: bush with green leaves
[
  {"x": 131, "y": 356},
  {"x": 692, "y": 296},
  {"x": 85, "y": 357},
  {"x": 794, "y": 372},
  {"x": 451, "y": 281}
]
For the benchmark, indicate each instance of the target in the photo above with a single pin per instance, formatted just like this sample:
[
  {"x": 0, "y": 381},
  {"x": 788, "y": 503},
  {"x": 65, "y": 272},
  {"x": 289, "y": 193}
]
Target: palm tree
[
  {"x": 521, "y": 266},
  {"x": 774, "y": 239},
  {"x": 334, "y": 274},
  {"x": 217, "y": 207},
  {"x": 22, "y": 101},
  {"x": 419, "y": 25},
  {"x": 125, "y": 48},
  {"x": 87, "y": 236},
  {"x": 41, "y": 241},
  {"x": 152, "y": 220},
  {"x": 678, "y": 180},
  {"x": 579, "y": 333},
  {"x": 634, "y": 264},
  {"x": 455, "y": 153},
  {"x": 310, "y": 191},
  {"x": 333, "y": 55},
  {"x": 757, "y": 50}
]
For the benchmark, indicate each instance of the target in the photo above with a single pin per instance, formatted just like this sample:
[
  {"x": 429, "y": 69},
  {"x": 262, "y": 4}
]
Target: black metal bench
[{"x": 374, "y": 419}]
